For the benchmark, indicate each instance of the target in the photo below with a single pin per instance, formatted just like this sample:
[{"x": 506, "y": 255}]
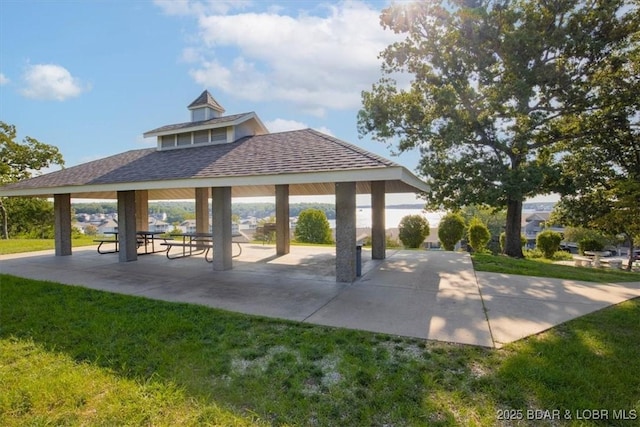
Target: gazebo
[{"x": 216, "y": 156}]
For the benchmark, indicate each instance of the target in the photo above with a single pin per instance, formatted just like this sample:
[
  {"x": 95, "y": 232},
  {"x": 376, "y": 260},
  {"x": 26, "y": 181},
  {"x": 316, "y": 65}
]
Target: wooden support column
[
  {"x": 142, "y": 210},
  {"x": 283, "y": 241},
  {"x": 62, "y": 223},
  {"x": 345, "y": 231},
  {"x": 378, "y": 230},
  {"x": 221, "y": 228},
  {"x": 202, "y": 210},
  {"x": 127, "y": 226}
]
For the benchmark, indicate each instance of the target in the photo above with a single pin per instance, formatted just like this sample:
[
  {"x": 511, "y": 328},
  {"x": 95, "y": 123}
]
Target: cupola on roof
[
  {"x": 206, "y": 100},
  {"x": 207, "y": 126}
]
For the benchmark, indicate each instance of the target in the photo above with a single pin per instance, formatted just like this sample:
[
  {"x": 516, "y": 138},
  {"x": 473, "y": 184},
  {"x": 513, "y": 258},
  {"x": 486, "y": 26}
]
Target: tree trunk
[
  {"x": 630, "y": 263},
  {"x": 513, "y": 230},
  {"x": 5, "y": 221}
]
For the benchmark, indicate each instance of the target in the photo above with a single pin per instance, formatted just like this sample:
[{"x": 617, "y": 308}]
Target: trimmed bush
[
  {"x": 451, "y": 230},
  {"x": 548, "y": 242},
  {"x": 313, "y": 227},
  {"x": 590, "y": 245},
  {"x": 479, "y": 235},
  {"x": 413, "y": 230},
  {"x": 503, "y": 240}
]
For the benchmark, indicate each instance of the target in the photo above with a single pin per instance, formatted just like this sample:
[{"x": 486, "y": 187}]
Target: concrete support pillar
[
  {"x": 221, "y": 228},
  {"x": 142, "y": 210},
  {"x": 202, "y": 210},
  {"x": 345, "y": 231},
  {"x": 62, "y": 224},
  {"x": 127, "y": 226},
  {"x": 283, "y": 241},
  {"x": 378, "y": 230}
]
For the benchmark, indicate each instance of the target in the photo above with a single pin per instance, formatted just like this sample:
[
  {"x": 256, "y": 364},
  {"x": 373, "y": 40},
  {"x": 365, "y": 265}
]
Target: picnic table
[
  {"x": 145, "y": 239},
  {"x": 197, "y": 244}
]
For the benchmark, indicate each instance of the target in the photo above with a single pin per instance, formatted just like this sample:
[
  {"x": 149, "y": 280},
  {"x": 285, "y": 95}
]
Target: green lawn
[
  {"x": 74, "y": 356},
  {"x": 542, "y": 268},
  {"x": 13, "y": 246}
]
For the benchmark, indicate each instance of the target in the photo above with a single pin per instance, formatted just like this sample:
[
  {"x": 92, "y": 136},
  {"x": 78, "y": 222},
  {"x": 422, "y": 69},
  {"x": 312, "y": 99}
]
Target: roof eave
[
  {"x": 406, "y": 182},
  {"x": 242, "y": 119}
]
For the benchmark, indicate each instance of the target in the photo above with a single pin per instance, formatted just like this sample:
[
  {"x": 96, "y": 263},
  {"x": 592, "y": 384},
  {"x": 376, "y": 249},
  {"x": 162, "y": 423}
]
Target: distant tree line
[{"x": 180, "y": 211}]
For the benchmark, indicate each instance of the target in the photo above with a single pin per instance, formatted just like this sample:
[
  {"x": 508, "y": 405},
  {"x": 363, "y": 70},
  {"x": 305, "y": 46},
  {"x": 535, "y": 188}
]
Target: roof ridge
[{"x": 354, "y": 148}]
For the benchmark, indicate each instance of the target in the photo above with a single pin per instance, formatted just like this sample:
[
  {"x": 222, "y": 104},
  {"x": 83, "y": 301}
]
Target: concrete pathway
[
  {"x": 519, "y": 306},
  {"x": 423, "y": 294}
]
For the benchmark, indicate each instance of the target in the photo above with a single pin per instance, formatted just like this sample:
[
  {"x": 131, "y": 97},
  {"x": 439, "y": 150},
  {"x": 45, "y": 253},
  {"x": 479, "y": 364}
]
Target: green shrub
[
  {"x": 313, "y": 227},
  {"x": 390, "y": 242},
  {"x": 562, "y": 256},
  {"x": 413, "y": 230},
  {"x": 479, "y": 235},
  {"x": 548, "y": 241},
  {"x": 451, "y": 230},
  {"x": 534, "y": 253},
  {"x": 503, "y": 240},
  {"x": 590, "y": 245}
]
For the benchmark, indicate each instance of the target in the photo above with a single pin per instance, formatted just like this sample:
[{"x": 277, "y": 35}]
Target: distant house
[
  {"x": 107, "y": 226},
  {"x": 188, "y": 226},
  {"x": 158, "y": 225},
  {"x": 432, "y": 241},
  {"x": 534, "y": 224}
]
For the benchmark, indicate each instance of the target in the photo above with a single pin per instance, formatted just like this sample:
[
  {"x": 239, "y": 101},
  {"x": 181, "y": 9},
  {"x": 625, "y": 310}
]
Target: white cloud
[
  {"x": 50, "y": 81},
  {"x": 325, "y": 130},
  {"x": 283, "y": 125},
  {"x": 190, "y": 7},
  {"x": 4, "y": 79},
  {"x": 314, "y": 62}
]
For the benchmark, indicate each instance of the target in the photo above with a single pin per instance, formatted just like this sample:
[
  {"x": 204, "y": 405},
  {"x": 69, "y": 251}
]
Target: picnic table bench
[
  {"x": 582, "y": 261},
  {"x": 613, "y": 263},
  {"x": 199, "y": 243},
  {"x": 144, "y": 239}
]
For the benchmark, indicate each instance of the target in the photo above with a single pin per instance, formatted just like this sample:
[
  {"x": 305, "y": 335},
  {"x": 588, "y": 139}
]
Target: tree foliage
[
  {"x": 20, "y": 161},
  {"x": 31, "y": 217},
  {"x": 313, "y": 227},
  {"x": 451, "y": 230},
  {"x": 413, "y": 229},
  {"x": 601, "y": 168},
  {"x": 495, "y": 86}
]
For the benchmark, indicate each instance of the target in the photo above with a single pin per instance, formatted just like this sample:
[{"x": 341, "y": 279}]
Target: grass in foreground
[
  {"x": 74, "y": 356},
  {"x": 14, "y": 246},
  {"x": 542, "y": 268}
]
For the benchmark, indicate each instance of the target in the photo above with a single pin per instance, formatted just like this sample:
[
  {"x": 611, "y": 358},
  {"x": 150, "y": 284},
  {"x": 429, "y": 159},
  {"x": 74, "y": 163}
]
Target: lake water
[{"x": 393, "y": 217}]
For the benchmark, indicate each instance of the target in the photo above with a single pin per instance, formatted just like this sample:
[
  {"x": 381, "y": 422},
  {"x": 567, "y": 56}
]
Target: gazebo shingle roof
[{"x": 295, "y": 152}]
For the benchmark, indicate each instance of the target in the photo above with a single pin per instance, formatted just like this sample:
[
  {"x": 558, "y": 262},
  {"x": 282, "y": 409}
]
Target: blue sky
[{"x": 91, "y": 76}]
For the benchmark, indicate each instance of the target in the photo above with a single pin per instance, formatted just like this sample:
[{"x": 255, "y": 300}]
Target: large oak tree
[{"x": 495, "y": 86}]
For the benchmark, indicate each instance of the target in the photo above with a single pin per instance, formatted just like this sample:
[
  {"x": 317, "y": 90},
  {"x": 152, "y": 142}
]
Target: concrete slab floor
[{"x": 424, "y": 294}]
